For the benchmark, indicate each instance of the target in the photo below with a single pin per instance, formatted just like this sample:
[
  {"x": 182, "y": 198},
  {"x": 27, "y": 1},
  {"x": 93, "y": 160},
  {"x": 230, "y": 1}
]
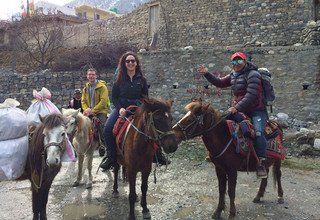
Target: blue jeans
[
  {"x": 259, "y": 121},
  {"x": 110, "y": 140}
]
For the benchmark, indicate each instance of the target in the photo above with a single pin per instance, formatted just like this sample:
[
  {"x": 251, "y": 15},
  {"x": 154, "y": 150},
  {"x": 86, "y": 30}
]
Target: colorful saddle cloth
[{"x": 245, "y": 138}]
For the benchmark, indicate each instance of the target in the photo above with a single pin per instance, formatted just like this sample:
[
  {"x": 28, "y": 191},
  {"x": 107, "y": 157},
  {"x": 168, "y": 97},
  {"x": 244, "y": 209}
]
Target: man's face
[
  {"x": 238, "y": 64},
  {"x": 91, "y": 76}
]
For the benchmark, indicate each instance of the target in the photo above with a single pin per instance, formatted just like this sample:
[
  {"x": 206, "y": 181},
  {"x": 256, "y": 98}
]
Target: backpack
[{"x": 268, "y": 91}]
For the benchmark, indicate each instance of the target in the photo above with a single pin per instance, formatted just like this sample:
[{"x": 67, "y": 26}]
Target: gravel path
[{"x": 184, "y": 190}]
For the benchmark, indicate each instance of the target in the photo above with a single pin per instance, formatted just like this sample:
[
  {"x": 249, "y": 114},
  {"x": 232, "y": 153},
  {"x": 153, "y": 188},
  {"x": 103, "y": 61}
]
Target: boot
[
  {"x": 261, "y": 170},
  {"x": 160, "y": 158},
  {"x": 108, "y": 160}
]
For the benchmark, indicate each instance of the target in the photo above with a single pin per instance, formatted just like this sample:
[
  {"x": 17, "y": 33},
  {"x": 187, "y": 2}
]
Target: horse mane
[
  {"x": 201, "y": 105},
  {"x": 153, "y": 104}
]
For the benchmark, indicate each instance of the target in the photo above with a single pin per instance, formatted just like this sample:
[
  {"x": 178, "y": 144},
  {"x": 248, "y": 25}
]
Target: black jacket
[
  {"x": 246, "y": 87},
  {"x": 126, "y": 93}
]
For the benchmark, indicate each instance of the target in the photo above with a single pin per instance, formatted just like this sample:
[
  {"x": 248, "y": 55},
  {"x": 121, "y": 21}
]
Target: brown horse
[
  {"x": 151, "y": 127},
  {"x": 44, "y": 160},
  {"x": 203, "y": 120}
]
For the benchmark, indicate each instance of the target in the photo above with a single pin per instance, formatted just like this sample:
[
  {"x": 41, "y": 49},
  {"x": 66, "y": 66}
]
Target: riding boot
[
  {"x": 109, "y": 159},
  {"x": 261, "y": 170},
  {"x": 160, "y": 158}
]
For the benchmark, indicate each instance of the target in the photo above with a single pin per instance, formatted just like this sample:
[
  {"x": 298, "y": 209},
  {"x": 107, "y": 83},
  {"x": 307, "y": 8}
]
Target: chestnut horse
[
  {"x": 151, "y": 127},
  {"x": 203, "y": 120},
  {"x": 46, "y": 148}
]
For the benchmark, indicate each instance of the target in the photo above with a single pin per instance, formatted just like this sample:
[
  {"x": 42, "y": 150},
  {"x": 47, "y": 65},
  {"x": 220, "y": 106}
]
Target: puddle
[
  {"x": 81, "y": 211},
  {"x": 183, "y": 213}
]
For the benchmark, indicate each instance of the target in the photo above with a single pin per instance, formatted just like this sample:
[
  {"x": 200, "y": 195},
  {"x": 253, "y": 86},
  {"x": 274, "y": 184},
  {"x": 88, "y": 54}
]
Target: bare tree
[{"x": 38, "y": 39}]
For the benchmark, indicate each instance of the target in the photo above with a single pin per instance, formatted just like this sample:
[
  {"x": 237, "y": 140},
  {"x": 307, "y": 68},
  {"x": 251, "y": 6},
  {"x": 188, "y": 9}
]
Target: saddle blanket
[{"x": 245, "y": 138}]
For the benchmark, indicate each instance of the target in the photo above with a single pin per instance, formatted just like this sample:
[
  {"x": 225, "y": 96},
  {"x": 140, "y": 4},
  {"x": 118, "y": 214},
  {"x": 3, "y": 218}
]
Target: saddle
[
  {"x": 121, "y": 125},
  {"x": 242, "y": 128}
]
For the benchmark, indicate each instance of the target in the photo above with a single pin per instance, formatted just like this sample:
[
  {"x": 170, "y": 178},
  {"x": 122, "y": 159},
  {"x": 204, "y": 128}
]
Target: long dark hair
[{"x": 122, "y": 69}]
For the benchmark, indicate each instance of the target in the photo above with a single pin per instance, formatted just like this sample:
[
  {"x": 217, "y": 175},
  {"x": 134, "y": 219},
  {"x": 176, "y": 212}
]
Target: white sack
[
  {"x": 13, "y": 121},
  {"x": 41, "y": 106},
  {"x": 13, "y": 158}
]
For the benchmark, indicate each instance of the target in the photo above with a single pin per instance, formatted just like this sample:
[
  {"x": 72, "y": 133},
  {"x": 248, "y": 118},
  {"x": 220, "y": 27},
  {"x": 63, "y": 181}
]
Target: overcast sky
[{"x": 9, "y": 7}]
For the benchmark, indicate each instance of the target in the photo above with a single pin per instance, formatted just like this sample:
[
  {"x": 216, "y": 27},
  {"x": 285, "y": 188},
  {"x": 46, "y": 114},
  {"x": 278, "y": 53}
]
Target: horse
[
  {"x": 204, "y": 120},
  {"x": 150, "y": 128},
  {"x": 47, "y": 145},
  {"x": 83, "y": 141}
]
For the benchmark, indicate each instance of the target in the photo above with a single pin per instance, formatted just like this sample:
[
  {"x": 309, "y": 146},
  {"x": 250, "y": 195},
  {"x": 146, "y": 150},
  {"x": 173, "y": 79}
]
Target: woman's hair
[{"x": 122, "y": 69}]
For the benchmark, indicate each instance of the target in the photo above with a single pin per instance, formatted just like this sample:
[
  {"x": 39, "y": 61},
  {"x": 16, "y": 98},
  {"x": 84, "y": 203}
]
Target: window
[
  {"x": 316, "y": 10},
  {"x": 84, "y": 14},
  {"x": 154, "y": 17},
  {"x": 97, "y": 17}
]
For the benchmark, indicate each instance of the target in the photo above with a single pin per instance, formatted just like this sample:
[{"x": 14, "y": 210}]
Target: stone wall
[
  {"x": 205, "y": 23},
  {"x": 291, "y": 67}
]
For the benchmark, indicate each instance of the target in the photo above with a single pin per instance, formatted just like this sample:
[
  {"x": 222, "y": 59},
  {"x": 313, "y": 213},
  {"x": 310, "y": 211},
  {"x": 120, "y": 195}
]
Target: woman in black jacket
[{"x": 129, "y": 89}]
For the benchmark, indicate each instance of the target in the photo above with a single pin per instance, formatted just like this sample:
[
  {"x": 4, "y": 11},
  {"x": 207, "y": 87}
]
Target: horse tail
[{"x": 276, "y": 172}]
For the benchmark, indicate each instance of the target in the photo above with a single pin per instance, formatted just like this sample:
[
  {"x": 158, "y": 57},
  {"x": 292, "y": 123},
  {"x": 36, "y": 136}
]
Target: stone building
[{"x": 176, "y": 36}]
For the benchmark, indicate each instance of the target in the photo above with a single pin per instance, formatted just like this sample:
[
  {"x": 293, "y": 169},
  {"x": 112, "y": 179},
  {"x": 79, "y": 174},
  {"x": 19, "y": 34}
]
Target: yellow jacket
[{"x": 101, "y": 98}]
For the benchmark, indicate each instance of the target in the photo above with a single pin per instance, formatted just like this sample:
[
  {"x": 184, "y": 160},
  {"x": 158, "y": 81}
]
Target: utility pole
[{"x": 28, "y": 11}]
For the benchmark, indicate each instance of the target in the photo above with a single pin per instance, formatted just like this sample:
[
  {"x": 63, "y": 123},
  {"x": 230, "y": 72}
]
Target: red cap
[{"x": 238, "y": 54}]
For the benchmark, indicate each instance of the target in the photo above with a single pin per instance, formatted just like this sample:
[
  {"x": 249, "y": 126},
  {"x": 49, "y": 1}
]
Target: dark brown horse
[
  {"x": 151, "y": 127},
  {"x": 203, "y": 120},
  {"x": 44, "y": 160}
]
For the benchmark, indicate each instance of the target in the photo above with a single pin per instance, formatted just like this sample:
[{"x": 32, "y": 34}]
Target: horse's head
[
  {"x": 51, "y": 134},
  {"x": 71, "y": 116},
  {"x": 159, "y": 121},
  {"x": 200, "y": 118}
]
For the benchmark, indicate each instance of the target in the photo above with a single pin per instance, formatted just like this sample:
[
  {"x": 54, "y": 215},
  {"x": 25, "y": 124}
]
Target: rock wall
[
  {"x": 172, "y": 75},
  {"x": 206, "y": 23}
]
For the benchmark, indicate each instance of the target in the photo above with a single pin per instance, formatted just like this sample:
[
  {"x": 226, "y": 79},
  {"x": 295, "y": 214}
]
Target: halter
[
  {"x": 198, "y": 120},
  {"x": 157, "y": 135},
  {"x": 61, "y": 146}
]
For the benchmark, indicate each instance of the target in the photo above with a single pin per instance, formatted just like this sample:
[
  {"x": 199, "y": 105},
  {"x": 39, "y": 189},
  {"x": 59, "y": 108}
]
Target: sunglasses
[
  {"x": 234, "y": 62},
  {"x": 132, "y": 61}
]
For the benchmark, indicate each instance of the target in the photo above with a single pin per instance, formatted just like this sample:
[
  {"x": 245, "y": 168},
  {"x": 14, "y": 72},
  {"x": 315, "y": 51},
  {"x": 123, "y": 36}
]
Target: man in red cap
[{"x": 246, "y": 86}]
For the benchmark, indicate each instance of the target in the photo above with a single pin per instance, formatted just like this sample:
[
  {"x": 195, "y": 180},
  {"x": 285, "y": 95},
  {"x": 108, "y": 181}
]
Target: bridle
[
  {"x": 188, "y": 130},
  {"x": 156, "y": 135}
]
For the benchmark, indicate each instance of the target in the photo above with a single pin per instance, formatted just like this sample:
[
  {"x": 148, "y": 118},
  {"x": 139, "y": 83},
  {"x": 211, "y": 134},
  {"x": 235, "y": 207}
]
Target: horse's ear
[
  {"x": 41, "y": 118},
  {"x": 63, "y": 110},
  {"x": 197, "y": 99},
  {"x": 170, "y": 103},
  {"x": 76, "y": 112},
  {"x": 206, "y": 106}
]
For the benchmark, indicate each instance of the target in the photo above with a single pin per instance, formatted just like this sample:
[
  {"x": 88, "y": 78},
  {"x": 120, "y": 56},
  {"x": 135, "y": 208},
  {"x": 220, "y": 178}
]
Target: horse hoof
[
  {"x": 88, "y": 185},
  {"x": 280, "y": 200},
  {"x": 146, "y": 215},
  {"x": 256, "y": 200},
  {"x": 75, "y": 184},
  {"x": 216, "y": 216}
]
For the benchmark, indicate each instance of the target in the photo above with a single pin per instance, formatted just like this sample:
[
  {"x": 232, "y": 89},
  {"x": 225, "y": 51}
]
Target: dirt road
[{"x": 184, "y": 190}]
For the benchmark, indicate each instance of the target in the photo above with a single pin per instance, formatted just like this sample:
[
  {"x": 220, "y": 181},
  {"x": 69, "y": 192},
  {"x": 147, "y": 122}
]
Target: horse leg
[
  {"x": 35, "y": 205},
  {"x": 262, "y": 189},
  {"x": 89, "y": 167},
  {"x": 144, "y": 189},
  {"x": 222, "y": 179},
  {"x": 132, "y": 192},
  {"x": 44, "y": 200},
  {"x": 277, "y": 179},
  {"x": 116, "y": 168},
  {"x": 232, "y": 183},
  {"x": 80, "y": 166}
]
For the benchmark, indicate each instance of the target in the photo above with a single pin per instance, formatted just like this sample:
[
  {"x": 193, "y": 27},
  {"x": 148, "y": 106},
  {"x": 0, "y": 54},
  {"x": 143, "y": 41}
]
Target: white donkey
[{"x": 80, "y": 127}]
